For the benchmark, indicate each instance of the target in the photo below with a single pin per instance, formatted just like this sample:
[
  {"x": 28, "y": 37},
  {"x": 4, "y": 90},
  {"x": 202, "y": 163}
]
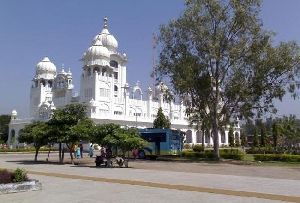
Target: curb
[{"x": 31, "y": 185}]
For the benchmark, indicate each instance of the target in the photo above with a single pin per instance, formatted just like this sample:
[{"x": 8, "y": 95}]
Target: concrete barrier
[{"x": 30, "y": 185}]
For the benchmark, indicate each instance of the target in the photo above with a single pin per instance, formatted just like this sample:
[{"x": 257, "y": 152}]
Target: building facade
[{"x": 106, "y": 93}]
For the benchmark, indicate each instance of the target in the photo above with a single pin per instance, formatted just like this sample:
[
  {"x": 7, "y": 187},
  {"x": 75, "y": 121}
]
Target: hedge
[
  {"x": 271, "y": 150},
  {"x": 235, "y": 154},
  {"x": 277, "y": 157},
  {"x": 198, "y": 148},
  {"x": 30, "y": 149}
]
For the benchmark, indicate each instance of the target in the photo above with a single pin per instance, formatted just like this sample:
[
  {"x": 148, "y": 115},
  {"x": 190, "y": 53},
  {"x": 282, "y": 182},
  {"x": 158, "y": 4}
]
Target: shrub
[
  {"x": 19, "y": 175},
  {"x": 5, "y": 176},
  {"x": 265, "y": 150},
  {"x": 193, "y": 154},
  {"x": 198, "y": 148},
  {"x": 277, "y": 157},
  {"x": 230, "y": 153},
  {"x": 187, "y": 146},
  {"x": 29, "y": 149},
  {"x": 233, "y": 153}
]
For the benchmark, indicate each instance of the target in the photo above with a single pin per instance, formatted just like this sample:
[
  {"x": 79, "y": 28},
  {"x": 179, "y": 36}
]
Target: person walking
[
  {"x": 91, "y": 150},
  {"x": 81, "y": 150},
  {"x": 77, "y": 152}
]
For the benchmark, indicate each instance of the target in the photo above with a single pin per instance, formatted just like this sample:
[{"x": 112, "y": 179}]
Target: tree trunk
[
  {"x": 63, "y": 154},
  {"x": 71, "y": 153},
  {"x": 48, "y": 154},
  {"x": 203, "y": 137},
  {"x": 215, "y": 134},
  {"x": 36, "y": 153},
  {"x": 59, "y": 151}
]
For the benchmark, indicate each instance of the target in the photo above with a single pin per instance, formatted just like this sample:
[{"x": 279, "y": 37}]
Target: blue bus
[{"x": 163, "y": 141}]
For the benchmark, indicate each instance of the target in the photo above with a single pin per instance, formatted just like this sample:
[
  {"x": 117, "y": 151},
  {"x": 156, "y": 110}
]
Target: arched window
[
  {"x": 43, "y": 82},
  {"x": 13, "y": 134},
  {"x": 43, "y": 114},
  {"x": 207, "y": 137},
  {"x": 104, "y": 109},
  {"x": 104, "y": 90},
  {"x": 115, "y": 75},
  {"x": 137, "y": 94},
  {"x": 96, "y": 69},
  {"x": 236, "y": 137},
  {"x": 199, "y": 136},
  {"x": 113, "y": 63},
  {"x": 222, "y": 137},
  {"x": 188, "y": 136},
  {"x": 103, "y": 71},
  {"x": 115, "y": 88}
]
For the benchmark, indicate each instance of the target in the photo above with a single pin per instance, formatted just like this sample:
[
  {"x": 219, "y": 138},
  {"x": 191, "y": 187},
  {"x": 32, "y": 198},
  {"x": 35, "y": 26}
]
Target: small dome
[
  {"x": 97, "y": 50},
  {"x": 45, "y": 69},
  {"x": 14, "y": 113},
  {"x": 96, "y": 54},
  {"x": 107, "y": 39}
]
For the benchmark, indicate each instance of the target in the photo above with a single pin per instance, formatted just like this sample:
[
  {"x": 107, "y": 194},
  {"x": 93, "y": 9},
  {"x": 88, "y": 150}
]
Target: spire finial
[
  {"x": 62, "y": 68},
  {"x": 69, "y": 70},
  {"x": 105, "y": 19}
]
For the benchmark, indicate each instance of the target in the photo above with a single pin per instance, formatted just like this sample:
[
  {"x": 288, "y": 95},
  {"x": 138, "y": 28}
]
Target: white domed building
[{"x": 106, "y": 92}]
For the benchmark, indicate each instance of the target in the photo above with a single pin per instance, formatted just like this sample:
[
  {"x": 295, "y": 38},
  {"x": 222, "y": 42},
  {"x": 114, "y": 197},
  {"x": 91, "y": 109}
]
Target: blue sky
[{"x": 63, "y": 30}]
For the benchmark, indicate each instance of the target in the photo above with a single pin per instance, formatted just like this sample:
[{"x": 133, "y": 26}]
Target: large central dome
[{"x": 107, "y": 39}]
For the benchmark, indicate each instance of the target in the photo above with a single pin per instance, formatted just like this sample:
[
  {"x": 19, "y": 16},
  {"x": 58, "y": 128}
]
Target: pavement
[{"x": 145, "y": 183}]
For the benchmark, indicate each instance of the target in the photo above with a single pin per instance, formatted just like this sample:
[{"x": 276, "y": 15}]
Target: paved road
[{"x": 85, "y": 183}]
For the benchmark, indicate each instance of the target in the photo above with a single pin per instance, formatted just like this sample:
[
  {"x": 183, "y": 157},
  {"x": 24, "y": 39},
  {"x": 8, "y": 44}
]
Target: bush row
[
  {"x": 270, "y": 150},
  {"x": 277, "y": 157},
  {"x": 235, "y": 154},
  {"x": 19, "y": 175},
  {"x": 29, "y": 149}
]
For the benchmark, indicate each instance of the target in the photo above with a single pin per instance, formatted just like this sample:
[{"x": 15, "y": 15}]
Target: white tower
[
  {"x": 41, "y": 88},
  {"x": 62, "y": 88},
  {"x": 104, "y": 73}
]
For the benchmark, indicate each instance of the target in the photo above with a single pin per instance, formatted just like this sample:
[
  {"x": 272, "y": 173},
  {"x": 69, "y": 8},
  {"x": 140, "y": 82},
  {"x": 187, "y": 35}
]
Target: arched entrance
[
  {"x": 188, "y": 137},
  {"x": 12, "y": 136},
  {"x": 199, "y": 136}
]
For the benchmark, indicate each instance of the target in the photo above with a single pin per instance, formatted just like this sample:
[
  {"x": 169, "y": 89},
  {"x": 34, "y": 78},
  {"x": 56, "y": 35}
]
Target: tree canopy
[
  {"x": 4, "y": 121},
  {"x": 69, "y": 125},
  {"x": 161, "y": 121},
  {"x": 35, "y": 133},
  {"x": 218, "y": 55},
  {"x": 112, "y": 135}
]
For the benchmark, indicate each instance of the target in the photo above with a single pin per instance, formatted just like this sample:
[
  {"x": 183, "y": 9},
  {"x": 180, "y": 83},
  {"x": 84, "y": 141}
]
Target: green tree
[
  {"x": 129, "y": 139},
  {"x": 275, "y": 134},
  {"x": 103, "y": 130},
  {"x": 255, "y": 139},
  {"x": 35, "y": 133},
  {"x": 231, "y": 137},
  {"x": 218, "y": 55},
  {"x": 262, "y": 135},
  {"x": 113, "y": 136},
  {"x": 83, "y": 130},
  {"x": 243, "y": 139},
  {"x": 290, "y": 132},
  {"x": 237, "y": 141},
  {"x": 161, "y": 121},
  {"x": 62, "y": 126},
  {"x": 4, "y": 121}
]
